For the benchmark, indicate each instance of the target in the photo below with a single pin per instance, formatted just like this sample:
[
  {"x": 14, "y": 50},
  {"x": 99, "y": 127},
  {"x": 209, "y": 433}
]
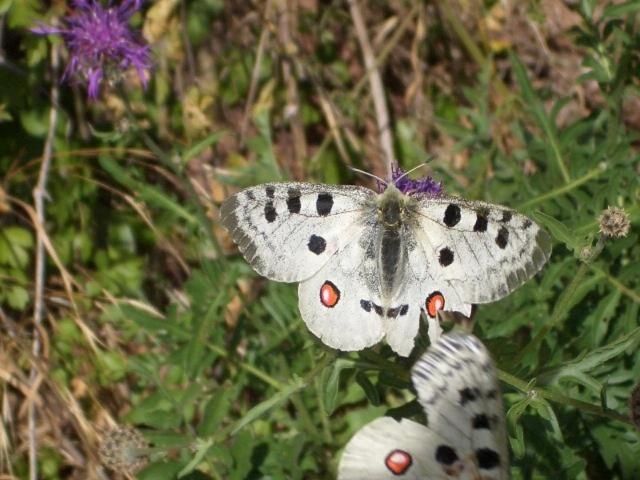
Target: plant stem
[
  {"x": 256, "y": 372},
  {"x": 565, "y": 188},
  {"x": 39, "y": 195},
  {"x": 525, "y": 387},
  {"x": 635, "y": 296}
]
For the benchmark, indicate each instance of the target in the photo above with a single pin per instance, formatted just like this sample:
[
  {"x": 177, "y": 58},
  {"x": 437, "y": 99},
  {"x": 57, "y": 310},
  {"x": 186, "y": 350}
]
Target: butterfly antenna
[
  {"x": 411, "y": 171},
  {"x": 384, "y": 182}
]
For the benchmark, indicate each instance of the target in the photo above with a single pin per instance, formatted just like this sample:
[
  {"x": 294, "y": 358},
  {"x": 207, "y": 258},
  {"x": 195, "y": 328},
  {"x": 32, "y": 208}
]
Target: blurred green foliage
[{"x": 214, "y": 365}]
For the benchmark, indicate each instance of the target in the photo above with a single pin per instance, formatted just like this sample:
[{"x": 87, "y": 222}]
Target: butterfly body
[
  {"x": 369, "y": 263},
  {"x": 392, "y": 230}
]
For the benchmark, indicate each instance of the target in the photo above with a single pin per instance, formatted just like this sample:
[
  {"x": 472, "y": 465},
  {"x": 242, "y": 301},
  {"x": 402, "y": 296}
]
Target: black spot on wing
[
  {"x": 502, "y": 238},
  {"x": 324, "y": 204},
  {"x": 507, "y": 215},
  {"x": 270, "y": 213},
  {"x": 487, "y": 458},
  {"x": 468, "y": 395},
  {"x": 481, "y": 421},
  {"x": 526, "y": 224},
  {"x": 270, "y": 190},
  {"x": 366, "y": 305},
  {"x": 250, "y": 195},
  {"x": 446, "y": 257},
  {"x": 482, "y": 221},
  {"x": 451, "y": 215},
  {"x": 446, "y": 455},
  {"x": 317, "y": 244},
  {"x": 293, "y": 200},
  {"x": 394, "y": 312}
]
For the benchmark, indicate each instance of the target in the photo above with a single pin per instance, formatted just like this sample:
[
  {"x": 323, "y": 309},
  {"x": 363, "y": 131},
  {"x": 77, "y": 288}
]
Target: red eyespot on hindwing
[
  {"x": 435, "y": 302},
  {"x": 329, "y": 294},
  {"x": 398, "y": 462}
]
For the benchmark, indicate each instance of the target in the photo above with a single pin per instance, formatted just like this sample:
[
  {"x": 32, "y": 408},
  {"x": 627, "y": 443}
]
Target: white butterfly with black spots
[
  {"x": 369, "y": 263},
  {"x": 465, "y": 439}
]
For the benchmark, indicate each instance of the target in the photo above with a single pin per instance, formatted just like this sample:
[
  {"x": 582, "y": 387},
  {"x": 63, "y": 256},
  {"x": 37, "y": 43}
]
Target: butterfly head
[{"x": 393, "y": 207}]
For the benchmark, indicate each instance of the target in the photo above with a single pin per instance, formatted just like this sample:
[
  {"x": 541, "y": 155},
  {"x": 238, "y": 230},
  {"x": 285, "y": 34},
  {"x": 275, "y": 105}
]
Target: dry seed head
[
  {"x": 123, "y": 449},
  {"x": 634, "y": 406},
  {"x": 614, "y": 222}
]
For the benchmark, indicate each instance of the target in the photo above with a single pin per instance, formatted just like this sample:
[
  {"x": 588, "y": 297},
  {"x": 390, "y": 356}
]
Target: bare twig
[
  {"x": 387, "y": 48},
  {"x": 39, "y": 196},
  {"x": 375, "y": 82}
]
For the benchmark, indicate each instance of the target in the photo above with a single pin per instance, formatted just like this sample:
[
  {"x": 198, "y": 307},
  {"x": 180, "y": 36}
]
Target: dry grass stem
[
  {"x": 375, "y": 82},
  {"x": 39, "y": 196}
]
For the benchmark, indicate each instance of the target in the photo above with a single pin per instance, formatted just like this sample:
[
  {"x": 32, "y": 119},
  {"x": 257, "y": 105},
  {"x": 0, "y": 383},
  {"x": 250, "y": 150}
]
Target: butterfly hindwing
[
  {"x": 465, "y": 438},
  {"x": 340, "y": 303},
  {"x": 287, "y": 231},
  {"x": 457, "y": 385},
  {"x": 420, "y": 295},
  {"x": 482, "y": 251},
  {"x": 387, "y": 449}
]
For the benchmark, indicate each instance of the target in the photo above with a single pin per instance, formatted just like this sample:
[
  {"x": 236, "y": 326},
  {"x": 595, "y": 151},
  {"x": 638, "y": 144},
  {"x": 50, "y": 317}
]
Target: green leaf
[
  {"x": 23, "y": 13},
  {"x": 35, "y": 123},
  {"x": 156, "y": 410},
  {"x": 217, "y": 408},
  {"x": 595, "y": 358},
  {"x": 543, "y": 408},
  {"x": 151, "y": 322},
  {"x": 369, "y": 389},
  {"x": 16, "y": 245},
  {"x": 260, "y": 409},
  {"x": 621, "y": 10},
  {"x": 196, "y": 149},
  {"x": 154, "y": 196},
  {"x": 330, "y": 383},
  {"x": 202, "y": 448},
  {"x": 17, "y": 297},
  {"x": 5, "y": 5},
  {"x": 241, "y": 451},
  {"x": 161, "y": 470},
  {"x": 558, "y": 230}
]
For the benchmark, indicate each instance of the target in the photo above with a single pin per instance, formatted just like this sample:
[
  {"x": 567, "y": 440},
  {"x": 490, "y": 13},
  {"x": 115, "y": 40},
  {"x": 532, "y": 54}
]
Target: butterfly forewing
[
  {"x": 483, "y": 251},
  {"x": 287, "y": 231}
]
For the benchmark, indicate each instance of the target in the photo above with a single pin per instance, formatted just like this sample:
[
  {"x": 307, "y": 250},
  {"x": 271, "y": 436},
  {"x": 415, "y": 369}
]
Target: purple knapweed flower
[
  {"x": 427, "y": 186},
  {"x": 101, "y": 44}
]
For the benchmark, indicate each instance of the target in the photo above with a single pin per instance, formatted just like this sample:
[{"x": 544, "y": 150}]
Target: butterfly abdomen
[
  {"x": 391, "y": 259},
  {"x": 391, "y": 248}
]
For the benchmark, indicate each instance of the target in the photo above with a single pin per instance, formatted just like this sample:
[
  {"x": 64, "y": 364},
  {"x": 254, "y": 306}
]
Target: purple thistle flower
[
  {"x": 427, "y": 186},
  {"x": 101, "y": 45}
]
